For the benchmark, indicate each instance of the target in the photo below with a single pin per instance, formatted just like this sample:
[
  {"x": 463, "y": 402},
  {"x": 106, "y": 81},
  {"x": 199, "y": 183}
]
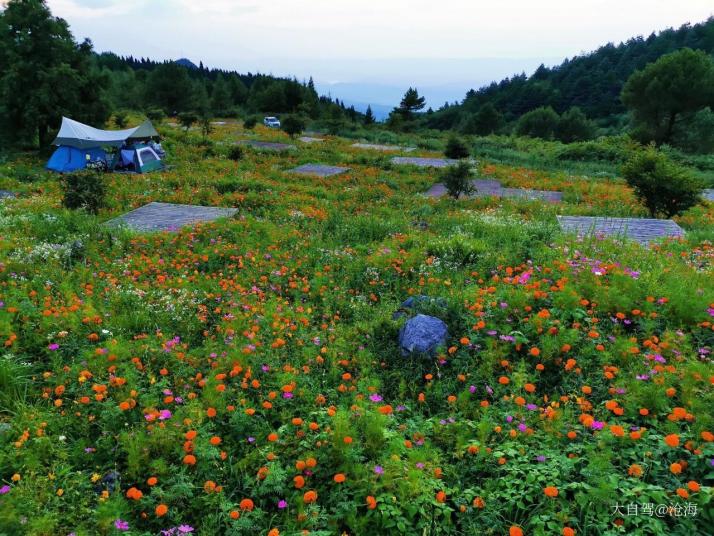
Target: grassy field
[{"x": 244, "y": 376}]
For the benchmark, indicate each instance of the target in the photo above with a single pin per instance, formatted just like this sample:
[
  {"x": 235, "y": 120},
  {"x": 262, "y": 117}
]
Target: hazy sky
[{"x": 320, "y": 37}]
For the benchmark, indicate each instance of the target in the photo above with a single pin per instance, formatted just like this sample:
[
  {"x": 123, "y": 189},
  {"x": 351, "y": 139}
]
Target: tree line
[{"x": 38, "y": 51}]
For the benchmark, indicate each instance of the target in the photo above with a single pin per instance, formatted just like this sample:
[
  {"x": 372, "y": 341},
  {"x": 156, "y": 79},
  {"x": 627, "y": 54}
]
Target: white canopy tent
[{"x": 75, "y": 134}]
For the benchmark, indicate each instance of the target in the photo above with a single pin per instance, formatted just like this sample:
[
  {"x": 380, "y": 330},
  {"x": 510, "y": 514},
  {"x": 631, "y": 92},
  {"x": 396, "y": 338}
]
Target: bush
[
  {"x": 187, "y": 119},
  {"x": 83, "y": 189},
  {"x": 663, "y": 187},
  {"x": 539, "y": 123},
  {"x": 155, "y": 114},
  {"x": 250, "y": 122},
  {"x": 293, "y": 125},
  {"x": 235, "y": 153},
  {"x": 457, "y": 180},
  {"x": 121, "y": 118},
  {"x": 455, "y": 148}
]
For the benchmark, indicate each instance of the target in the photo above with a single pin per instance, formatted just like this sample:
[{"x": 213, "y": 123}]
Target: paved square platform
[
  {"x": 7, "y": 194},
  {"x": 319, "y": 170},
  {"x": 169, "y": 216},
  {"x": 490, "y": 187},
  {"x": 267, "y": 145},
  {"x": 310, "y": 139},
  {"x": 424, "y": 162},
  {"x": 642, "y": 230},
  {"x": 708, "y": 194},
  {"x": 384, "y": 148}
]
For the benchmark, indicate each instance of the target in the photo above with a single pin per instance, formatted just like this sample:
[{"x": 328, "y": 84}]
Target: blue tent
[{"x": 67, "y": 158}]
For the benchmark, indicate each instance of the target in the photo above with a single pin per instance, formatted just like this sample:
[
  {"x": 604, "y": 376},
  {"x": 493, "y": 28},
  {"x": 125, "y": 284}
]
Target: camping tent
[
  {"x": 79, "y": 144},
  {"x": 67, "y": 158},
  {"x": 138, "y": 157}
]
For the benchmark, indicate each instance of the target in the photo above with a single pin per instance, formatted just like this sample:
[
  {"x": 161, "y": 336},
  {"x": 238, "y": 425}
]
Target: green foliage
[
  {"x": 369, "y": 116},
  {"x": 539, "y": 123},
  {"x": 669, "y": 91},
  {"x": 250, "y": 122},
  {"x": 411, "y": 103},
  {"x": 155, "y": 114},
  {"x": 457, "y": 179},
  {"x": 235, "y": 153},
  {"x": 456, "y": 148},
  {"x": 664, "y": 187},
  {"x": 83, "y": 189},
  {"x": 121, "y": 118},
  {"x": 293, "y": 125},
  {"x": 186, "y": 119},
  {"x": 485, "y": 121},
  {"x": 574, "y": 126},
  {"x": 44, "y": 74}
]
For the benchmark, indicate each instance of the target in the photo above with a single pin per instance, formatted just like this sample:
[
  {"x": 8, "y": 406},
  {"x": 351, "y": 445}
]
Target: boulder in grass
[{"x": 422, "y": 334}]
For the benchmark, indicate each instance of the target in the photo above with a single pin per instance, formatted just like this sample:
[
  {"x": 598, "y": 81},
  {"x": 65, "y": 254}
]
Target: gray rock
[{"x": 422, "y": 334}]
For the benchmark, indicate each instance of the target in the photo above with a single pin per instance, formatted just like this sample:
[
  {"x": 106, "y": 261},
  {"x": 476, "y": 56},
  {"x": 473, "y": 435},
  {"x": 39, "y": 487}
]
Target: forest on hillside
[{"x": 591, "y": 83}]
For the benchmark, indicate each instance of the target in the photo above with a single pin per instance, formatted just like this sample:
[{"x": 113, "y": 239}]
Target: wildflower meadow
[{"x": 244, "y": 376}]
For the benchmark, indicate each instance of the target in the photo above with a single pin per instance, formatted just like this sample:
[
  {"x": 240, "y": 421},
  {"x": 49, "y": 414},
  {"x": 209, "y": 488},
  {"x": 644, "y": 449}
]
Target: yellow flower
[
  {"x": 60, "y": 492},
  {"x": 16, "y": 477},
  {"x": 96, "y": 476}
]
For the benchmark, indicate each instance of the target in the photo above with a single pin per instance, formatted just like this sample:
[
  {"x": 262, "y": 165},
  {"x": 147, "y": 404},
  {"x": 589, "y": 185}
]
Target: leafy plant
[
  {"x": 84, "y": 189},
  {"x": 457, "y": 179},
  {"x": 664, "y": 187}
]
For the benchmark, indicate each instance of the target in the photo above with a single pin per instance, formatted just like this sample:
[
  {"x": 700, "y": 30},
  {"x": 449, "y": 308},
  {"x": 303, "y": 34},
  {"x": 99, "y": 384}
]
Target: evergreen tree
[
  {"x": 221, "y": 98},
  {"x": 44, "y": 74},
  {"x": 539, "y": 123},
  {"x": 574, "y": 126},
  {"x": 485, "y": 121},
  {"x": 169, "y": 87},
  {"x": 410, "y": 104},
  {"x": 668, "y": 91},
  {"x": 369, "y": 116}
]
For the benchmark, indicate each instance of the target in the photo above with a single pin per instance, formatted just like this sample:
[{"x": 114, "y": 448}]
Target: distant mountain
[
  {"x": 592, "y": 82},
  {"x": 186, "y": 63}
]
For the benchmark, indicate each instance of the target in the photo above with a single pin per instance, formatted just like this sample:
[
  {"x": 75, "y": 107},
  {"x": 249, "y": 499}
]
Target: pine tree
[
  {"x": 369, "y": 116},
  {"x": 411, "y": 103}
]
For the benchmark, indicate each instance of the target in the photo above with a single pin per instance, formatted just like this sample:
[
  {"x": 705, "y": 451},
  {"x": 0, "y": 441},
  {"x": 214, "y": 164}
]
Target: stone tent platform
[
  {"x": 384, "y": 148},
  {"x": 424, "y": 162},
  {"x": 319, "y": 170},
  {"x": 642, "y": 230},
  {"x": 169, "y": 217},
  {"x": 708, "y": 194},
  {"x": 493, "y": 188},
  {"x": 7, "y": 194},
  {"x": 267, "y": 145}
]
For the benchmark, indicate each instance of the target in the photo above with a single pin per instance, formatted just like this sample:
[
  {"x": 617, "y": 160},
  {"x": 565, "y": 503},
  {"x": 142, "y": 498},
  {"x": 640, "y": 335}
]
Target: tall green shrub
[
  {"x": 664, "y": 187},
  {"x": 84, "y": 189}
]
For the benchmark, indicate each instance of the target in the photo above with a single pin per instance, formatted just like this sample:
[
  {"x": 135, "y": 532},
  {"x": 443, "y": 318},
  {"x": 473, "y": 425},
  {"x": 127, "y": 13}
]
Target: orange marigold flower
[
  {"x": 672, "y": 440},
  {"x": 567, "y": 531},
  {"x": 693, "y": 486},
  {"x": 683, "y": 493},
  {"x": 299, "y": 482},
  {"x": 246, "y": 505},
  {"x": 152, "y": 481},
  {"x": 134, "y": 493},
  {"x": 309, "y": 497},
  {"x": 189, "y": 459},
  {"x": 371, "y": 502},
  {"x": 161, "y": 510},
  {"x": 551, "y": 491},
  {"x": 441, "y": 496},
  {"x": 515, "y": 531},
  {"x": 339, "y": 478},
  {"x": 635, "y": 470},
  {"x": 675, "y": 468}
]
